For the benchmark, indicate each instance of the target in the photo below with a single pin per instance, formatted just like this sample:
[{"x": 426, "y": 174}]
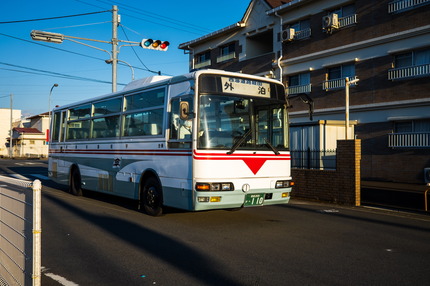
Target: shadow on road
[{"x": 181, "y": 256}]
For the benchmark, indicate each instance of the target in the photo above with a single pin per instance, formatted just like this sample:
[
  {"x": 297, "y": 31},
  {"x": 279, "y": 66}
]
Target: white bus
[{"x": 205, "y": 140}]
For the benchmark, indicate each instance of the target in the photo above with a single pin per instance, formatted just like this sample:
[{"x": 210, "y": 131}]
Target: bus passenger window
[
  {"x": 78, "y": 130},
  {"x": 143, "y": 123}
]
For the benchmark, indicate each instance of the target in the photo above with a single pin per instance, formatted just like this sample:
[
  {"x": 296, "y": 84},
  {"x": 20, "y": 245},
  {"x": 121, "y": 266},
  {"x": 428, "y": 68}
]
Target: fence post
[{"x": 37, "y": 231}]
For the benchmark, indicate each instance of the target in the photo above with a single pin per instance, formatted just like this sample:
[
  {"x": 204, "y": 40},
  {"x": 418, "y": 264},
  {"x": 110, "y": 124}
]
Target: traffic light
[{"x": 154, "y": 44}]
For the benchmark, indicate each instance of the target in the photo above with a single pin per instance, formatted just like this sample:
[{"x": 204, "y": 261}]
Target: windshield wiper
[
  {"x": 271, "y": 146},
  {"x": 239, "y": 142}
]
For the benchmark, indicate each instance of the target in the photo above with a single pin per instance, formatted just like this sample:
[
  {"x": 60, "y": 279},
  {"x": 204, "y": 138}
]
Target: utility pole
[
  {"x": 115, "y": 23},
  {"x": 11, "y": 127}
]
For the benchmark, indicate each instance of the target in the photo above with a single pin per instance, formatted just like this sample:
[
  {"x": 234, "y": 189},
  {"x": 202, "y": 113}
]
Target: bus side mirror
[{"x": 184, "y": 110}]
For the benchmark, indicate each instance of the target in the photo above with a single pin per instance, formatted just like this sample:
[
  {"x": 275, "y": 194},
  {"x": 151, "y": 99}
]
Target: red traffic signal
[{"x": 154, "y": 44}]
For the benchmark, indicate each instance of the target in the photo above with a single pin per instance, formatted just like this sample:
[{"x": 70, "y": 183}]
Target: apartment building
[{"x": 377, "y": 52}]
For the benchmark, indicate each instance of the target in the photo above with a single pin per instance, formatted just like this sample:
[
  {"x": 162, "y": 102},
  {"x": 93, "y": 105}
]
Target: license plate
[{"x": 254, "y": 200}]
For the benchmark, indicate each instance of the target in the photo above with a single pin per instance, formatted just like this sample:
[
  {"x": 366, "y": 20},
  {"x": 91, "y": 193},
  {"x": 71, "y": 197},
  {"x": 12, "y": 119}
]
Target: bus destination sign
[{"x": 245, "y": 86}]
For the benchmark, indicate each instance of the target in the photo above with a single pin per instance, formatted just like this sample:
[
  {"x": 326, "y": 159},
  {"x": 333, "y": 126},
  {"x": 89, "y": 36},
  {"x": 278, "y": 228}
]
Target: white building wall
[{"x": 5, "y": 127}]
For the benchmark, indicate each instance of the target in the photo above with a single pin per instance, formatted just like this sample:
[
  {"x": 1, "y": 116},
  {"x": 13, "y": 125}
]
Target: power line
[
  {"x": 176, "y": 23},
  {"x": 164, "y": 17},
  {"x": 51, "y": 47},
  {"x": 52, "y": 18},
  {"x": 49, "y": 73}
]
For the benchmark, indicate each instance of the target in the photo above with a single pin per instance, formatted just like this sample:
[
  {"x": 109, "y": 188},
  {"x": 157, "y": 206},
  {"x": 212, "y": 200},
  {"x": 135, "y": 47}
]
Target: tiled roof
[
  {"x": 27, "y": 130},
  {"x": 277, "y": 3}
]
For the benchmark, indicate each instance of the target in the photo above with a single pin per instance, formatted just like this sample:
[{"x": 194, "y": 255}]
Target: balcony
[
  {"x": 409, "y": 72},
  {"x": 202, "y": 64},
  {"x": 296, "y": 89},
  {"x": 409, "y": 140},
  {"x": 337, "y": 83},
  {"x": 400, "y": 5},
  {"x": 302, "y": 34},
  {"x": 348, "y": 20},
  {"x": 227, "y": 57}
]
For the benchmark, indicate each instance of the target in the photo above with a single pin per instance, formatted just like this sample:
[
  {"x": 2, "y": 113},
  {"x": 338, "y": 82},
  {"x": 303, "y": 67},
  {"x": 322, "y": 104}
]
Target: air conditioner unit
[
  {"x": 330, "y": 22},
  {"x": 427, "y": 175},
  {"x": 288, "y": 34}
]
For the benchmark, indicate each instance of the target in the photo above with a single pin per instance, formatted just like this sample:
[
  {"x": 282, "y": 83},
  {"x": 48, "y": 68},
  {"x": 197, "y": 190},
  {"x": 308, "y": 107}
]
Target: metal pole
[
  {"x": 115, "y": 23},
  {"x": 49, "y": 105},
  {"x": 37, "y": 232},
  {"x": 11, "y": 127},
  {"x": 346, "y": 107}
]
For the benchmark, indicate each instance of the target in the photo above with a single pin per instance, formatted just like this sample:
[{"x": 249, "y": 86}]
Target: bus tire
[
  {"x": 75, "y": 182},
  {"x": 152, "y": 197}
]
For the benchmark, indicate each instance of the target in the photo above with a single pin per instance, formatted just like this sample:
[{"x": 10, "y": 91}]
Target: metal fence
[
  {"x": 20, "y": 232},
  {"x": 313, "y": 159}
]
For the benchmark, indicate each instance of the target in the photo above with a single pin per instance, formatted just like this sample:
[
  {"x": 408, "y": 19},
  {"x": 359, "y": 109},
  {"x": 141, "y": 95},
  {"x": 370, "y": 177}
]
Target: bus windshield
[{"x": 237, "y": 123}]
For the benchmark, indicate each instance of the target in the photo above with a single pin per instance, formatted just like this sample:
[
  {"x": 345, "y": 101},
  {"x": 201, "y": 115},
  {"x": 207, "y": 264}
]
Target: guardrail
[{"x": 20, "y": 232}]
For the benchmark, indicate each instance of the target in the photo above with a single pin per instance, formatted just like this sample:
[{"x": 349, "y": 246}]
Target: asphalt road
[{"x": 101, "y": 240}]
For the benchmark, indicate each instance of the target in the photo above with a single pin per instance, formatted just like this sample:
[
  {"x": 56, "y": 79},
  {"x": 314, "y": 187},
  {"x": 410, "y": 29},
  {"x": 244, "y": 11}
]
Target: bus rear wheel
[
  {"x": 75, "y": 182},
  {"x": 152, "y": 198}
]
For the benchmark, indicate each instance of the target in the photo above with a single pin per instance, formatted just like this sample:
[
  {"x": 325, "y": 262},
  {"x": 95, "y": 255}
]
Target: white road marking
[{"x": 58, "y": 278}]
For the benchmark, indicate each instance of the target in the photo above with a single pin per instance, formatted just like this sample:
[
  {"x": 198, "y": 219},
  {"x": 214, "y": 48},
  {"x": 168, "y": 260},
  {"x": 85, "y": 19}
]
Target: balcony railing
[
  {"x": 414, "y": 71},
  {"x": 296, "y": 89},
  {"x": 224, "y": 58},
  {"x": 400, "y": 5},
  {"x": 409, "y": 140},
  {"x": 202, "y": 64},
  {"x": 337, "y": 83},
  {"x": 302, "y": 34},
  {"x": 348, "y": 20}
]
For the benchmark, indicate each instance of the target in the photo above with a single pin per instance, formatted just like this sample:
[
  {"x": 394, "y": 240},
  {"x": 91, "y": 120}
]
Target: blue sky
[{"x": 24, "y": 62}]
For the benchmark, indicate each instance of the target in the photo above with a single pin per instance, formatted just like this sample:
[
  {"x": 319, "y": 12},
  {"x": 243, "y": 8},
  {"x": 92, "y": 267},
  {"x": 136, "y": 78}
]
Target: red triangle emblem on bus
[{"x": 255, "y": 164}]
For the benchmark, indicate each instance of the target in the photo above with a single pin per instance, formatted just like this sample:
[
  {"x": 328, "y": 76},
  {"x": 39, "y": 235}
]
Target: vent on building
[
  {"x": 330, "y": 22},
  {"x": 427, "y": 175},
  {"x": 288, "y": 35}
]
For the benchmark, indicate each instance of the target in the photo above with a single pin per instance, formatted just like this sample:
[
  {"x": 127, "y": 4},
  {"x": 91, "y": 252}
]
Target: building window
[
  {"x": 226, "y": 53},
  {"x": 203, "y": 60},
  {"x": 32, "y": 142},
  {"x": 405, "y": 5},
  {"x": 302, "y": 30},
  {"x": 299, "y": 83},
  {"x": 410, "y": 134},
  {"x": 410, "y": 65},
  {"x": 336, "y": 76}
]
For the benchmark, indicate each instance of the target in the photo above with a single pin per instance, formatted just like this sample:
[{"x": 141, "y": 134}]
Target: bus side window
[{"x": 180, "y": 129}]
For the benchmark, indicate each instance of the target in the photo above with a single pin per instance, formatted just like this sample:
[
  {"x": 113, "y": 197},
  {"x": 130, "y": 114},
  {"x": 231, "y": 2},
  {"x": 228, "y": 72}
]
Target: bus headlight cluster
[
  {"x": 214, "y": 187},
  {"x": 284, "y": 184}
]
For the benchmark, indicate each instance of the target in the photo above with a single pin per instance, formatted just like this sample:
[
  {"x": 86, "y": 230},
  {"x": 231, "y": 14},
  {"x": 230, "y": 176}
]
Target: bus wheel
[
  {"x": 75, "y": 182},
  {"x": 151, "y": 198}
]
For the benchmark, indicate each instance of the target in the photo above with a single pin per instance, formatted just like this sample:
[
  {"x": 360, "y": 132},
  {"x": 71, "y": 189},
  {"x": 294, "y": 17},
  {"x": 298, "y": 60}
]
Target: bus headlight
[
  {"x": 214, "y": 187},
  {"x": 283, "y": 184}
]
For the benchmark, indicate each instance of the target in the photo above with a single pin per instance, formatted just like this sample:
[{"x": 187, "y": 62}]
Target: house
[
  {"x": 7, "y": 120},
  {"x": 29, "y": 136},
  {"x": 29, "y": 142},
  {"x": 376, "y": 52}
]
